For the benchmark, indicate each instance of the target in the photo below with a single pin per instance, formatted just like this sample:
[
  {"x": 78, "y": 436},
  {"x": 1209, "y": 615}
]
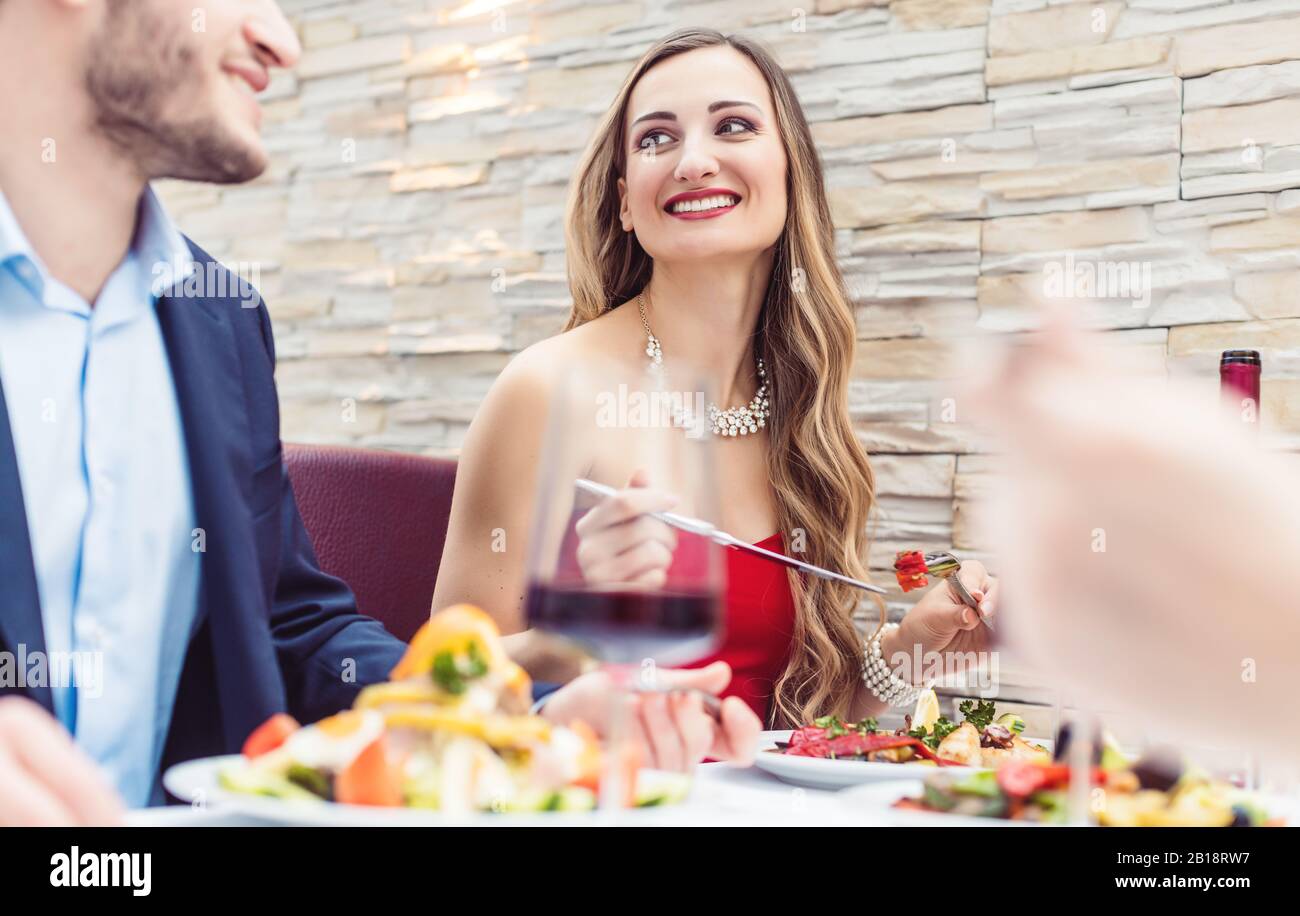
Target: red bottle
[{"x": 1239, "y": 372}]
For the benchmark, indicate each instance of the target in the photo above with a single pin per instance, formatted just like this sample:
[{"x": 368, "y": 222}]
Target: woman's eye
[
  {"x": 739, "y": 124},
  {"x": 654, "y": 138}
]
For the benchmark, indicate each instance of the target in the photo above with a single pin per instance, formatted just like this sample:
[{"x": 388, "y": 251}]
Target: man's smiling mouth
[{"x": 256, "y": 78}]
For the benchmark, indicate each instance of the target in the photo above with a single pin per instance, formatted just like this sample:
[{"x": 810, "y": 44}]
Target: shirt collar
[
  {"x": 14, "y": 247},
  {"x": 157, "y": 246}
]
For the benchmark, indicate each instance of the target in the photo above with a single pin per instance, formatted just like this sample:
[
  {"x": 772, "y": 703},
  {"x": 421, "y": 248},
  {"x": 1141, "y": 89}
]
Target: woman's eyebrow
[
  {"x": 730, "y": 103},
  {"x": 655, "y": 116},
  {"x": 713, "y": 106}
]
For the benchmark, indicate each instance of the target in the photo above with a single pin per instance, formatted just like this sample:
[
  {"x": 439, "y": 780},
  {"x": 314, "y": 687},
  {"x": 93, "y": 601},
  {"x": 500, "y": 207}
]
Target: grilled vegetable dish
[
  {"x": 983, "y": 739},
  {"x": 450, "y": 732},
  {"x": 1156, "y": 791}
]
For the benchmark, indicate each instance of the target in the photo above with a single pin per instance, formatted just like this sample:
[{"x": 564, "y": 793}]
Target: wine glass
[{"x": 605, "y": 421}]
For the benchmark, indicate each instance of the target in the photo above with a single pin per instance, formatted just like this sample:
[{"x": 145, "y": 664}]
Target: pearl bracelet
[{"x": 880, "y": 679}]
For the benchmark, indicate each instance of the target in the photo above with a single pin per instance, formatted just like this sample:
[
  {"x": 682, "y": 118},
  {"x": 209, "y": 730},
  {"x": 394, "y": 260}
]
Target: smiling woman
[
  {"x": 704, "y": 117},
  {"x": 700, "y": 204}
]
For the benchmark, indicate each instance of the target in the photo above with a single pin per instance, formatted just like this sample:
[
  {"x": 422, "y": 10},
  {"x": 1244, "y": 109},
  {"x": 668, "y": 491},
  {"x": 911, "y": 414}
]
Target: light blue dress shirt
[{"x": 105, "y": 478}]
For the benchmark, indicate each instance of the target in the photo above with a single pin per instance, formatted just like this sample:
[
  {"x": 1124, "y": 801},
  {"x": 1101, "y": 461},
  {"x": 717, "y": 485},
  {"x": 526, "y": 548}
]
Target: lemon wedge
[{"x": 927, "y": 711}]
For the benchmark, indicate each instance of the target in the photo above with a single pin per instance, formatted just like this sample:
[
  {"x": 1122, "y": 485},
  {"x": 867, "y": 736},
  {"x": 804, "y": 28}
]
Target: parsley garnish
[
  {"x": 451, "y": 675},
  {"x": 835, "y": 726},
  {"x": 979, "y": 713},
  {"x": 942, "y": 729}
]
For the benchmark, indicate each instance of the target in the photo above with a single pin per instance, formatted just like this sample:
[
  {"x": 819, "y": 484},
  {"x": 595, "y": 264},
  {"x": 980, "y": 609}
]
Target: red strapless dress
[{"x": 759, "y": 622}]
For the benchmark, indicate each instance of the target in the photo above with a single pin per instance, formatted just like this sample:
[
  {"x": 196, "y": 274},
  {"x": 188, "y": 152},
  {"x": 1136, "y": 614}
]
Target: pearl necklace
[{"x": 734, "y": 421}]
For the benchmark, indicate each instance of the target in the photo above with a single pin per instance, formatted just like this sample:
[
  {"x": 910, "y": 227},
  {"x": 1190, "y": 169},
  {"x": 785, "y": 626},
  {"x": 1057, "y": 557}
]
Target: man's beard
[{"x": 137, "y": 66}]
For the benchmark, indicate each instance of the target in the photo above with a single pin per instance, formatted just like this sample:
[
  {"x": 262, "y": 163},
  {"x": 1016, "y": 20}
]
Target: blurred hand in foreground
[
  {"x": 1149, "y": 546},
  {"x": 45, "y": 779}
]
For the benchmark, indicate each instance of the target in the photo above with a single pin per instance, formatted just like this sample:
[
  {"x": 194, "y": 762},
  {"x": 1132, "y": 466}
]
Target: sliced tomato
[
  {"x": 270, "y": 734},
  {"x": 1022, "y": 778},
  {"x": 369, "y": 779}
]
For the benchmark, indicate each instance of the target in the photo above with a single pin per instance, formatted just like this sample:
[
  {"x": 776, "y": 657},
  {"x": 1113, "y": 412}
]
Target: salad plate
[
  {"x": 826, "y": 773},
  {"x": 1034, "y": 794},
  {"x": 449, "y": 738},
  {"x": 199, "y": 782},
  {"x": 832, "y": 754}
]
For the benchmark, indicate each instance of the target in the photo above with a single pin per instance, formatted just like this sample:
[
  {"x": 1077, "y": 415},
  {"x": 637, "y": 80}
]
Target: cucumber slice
[
  {"x": 1012, "y": 722},
  {"x": 246, "y": 779}
]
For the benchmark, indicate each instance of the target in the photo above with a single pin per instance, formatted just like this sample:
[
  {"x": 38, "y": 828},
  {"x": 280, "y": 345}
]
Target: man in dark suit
[{"x": 159, "y": 597}]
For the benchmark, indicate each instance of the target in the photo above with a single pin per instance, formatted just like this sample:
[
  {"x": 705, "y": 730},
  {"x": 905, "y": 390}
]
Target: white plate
[
  {"x": 820, "y": 773},
  {"x": 196, "y": 781},
  {"x": 882, "y": 796}
]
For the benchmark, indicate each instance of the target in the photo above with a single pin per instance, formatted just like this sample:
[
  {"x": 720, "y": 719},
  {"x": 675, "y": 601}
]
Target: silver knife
[{"x": 701, "y": 527}]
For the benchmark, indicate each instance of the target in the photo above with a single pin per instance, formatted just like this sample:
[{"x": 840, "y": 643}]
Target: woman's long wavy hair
[{"x": 824, "y": 485}]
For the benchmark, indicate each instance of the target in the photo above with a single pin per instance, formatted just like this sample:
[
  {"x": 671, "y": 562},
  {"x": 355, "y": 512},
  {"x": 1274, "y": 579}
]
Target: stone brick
[
  {"x": 1274, "y": 232},
  {"x": 939, "y": 14},
  {"x": 329, "y": 421},
  {"x": 1236, "y": 127},
  {"x": 1060, "y": 63},
  {"x": 1238, "y": 45},
  {"x": 583, "y": 20},
  {"x": 908, "y": 201},
  {"x": 341, "y": 254},
  {"x": 915, "y": 475},
  {"x": 902, "y": 359},
  {"x": 943, "y": 122},
  {"x": 320, "y": 33},
  {"x": 1242, "y": 85},
  {"x": 957, "y": 164},
  {"x": 1059, "y": 180},
  {"x": 1275, "y": 294},
  {"x": 353, "y": 56},
  {"x": 954, "y": 235},
  {"x": 1065, "y": 231},
  {"x": 437, "y": 177},
  {"x": 1053, "y": 28}
]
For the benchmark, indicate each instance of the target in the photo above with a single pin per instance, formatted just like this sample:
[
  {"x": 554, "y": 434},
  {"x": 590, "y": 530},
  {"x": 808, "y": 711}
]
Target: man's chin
[
  {"x": 245, "y": 166},
  {"x": 228, "y": 159}
]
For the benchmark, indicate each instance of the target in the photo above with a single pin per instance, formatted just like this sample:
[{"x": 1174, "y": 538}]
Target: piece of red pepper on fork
[{"x": 910, "y": 568}]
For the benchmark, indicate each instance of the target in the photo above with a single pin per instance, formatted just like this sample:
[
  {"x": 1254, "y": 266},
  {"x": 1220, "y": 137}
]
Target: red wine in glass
[{"x": 624, "y": 626}]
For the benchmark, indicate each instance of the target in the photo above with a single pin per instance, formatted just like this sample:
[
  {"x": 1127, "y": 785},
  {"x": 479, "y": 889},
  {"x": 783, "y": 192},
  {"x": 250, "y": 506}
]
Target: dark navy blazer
[{"x": 274, "y": 633}]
